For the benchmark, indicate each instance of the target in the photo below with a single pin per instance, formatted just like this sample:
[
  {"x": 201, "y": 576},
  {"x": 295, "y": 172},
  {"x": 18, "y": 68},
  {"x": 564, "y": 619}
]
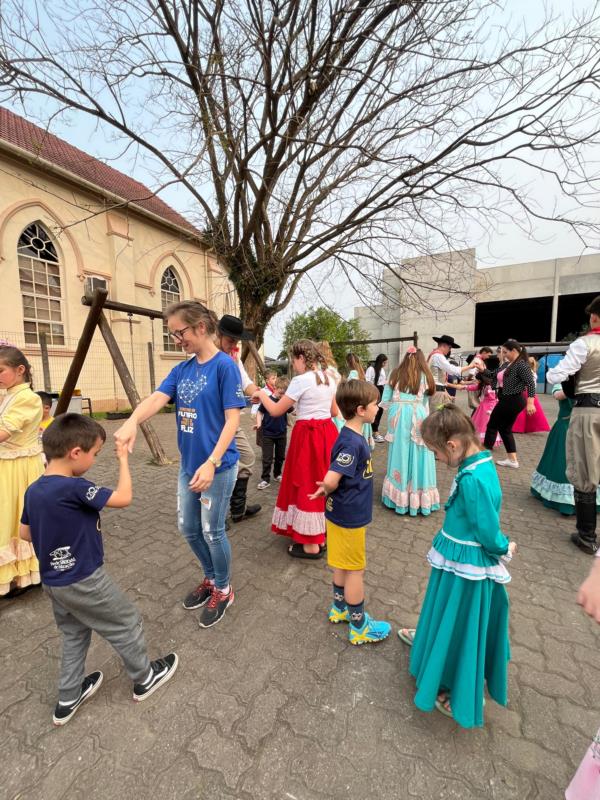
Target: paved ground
[{"x": 273, "y": 702}]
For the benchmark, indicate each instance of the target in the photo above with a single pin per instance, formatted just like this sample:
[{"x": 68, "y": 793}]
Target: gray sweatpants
[
  {"x": 583, "y": 449},
  {"x": 247, "y": 456},
  {"x": 96, "y": 604}
]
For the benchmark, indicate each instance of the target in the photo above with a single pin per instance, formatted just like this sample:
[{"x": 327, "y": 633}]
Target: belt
[{"x": 586, "y": 401}]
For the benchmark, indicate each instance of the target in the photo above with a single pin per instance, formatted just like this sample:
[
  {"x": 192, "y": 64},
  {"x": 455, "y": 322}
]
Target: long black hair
[
  {"x": 512, "y": 344},
  {"x": 378, "y": 366}
]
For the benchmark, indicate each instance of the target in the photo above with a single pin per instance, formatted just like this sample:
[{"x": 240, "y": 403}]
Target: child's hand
[
  {"x": 512, "y": 548},
  {"x": 121, "y": 450},
  {"x": 320, "y": 491}
]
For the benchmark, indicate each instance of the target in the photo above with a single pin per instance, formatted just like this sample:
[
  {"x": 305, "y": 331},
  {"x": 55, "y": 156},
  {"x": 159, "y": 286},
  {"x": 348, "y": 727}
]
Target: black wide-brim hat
[
  {"x": 446, "y": 340},
  {"x": 234, "y": 327}
]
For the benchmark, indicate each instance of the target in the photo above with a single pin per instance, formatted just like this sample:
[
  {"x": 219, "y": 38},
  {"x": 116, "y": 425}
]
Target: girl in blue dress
[
  {"x": 461, "y": 640},
  {"x": 409, "y": 486}
]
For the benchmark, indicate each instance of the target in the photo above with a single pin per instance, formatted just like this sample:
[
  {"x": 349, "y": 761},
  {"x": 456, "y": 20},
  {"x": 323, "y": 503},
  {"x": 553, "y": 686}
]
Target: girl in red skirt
[{"x": 308, "y": 456}]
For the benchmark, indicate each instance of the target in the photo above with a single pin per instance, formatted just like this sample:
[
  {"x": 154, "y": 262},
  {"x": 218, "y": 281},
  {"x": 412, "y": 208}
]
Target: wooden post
[
  {"x": 85, "y": 341},
  {"x": 256, "y": 356},
  {"x": 45, "y": 362},
  {"x": 158, "y": 454},
  {"x": 151, "y": 366},
  {"x": 415, "y": 339}
]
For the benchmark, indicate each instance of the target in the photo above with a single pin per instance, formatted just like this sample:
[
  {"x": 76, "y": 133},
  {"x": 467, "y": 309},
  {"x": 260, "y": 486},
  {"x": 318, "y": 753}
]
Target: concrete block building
[
  {"x": 540, "y": 301},
  {"x": 70, "y": 223}
]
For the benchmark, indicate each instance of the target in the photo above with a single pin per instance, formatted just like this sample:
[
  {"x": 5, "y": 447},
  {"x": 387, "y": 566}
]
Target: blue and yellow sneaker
[
  {"x": 372, "y": 630},
  {"x": 336, "y": 615}
]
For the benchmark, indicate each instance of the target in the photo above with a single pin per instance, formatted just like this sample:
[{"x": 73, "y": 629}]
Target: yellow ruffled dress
[{"x": 20, "y": 465}]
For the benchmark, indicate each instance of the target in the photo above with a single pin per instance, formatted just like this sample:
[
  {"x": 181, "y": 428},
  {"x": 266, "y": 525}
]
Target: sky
[{"x": 501, "y": 244}]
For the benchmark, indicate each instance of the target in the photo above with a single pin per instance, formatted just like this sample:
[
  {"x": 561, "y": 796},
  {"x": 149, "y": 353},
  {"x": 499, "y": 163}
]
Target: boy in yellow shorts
[{"x": 348, "y": 486}]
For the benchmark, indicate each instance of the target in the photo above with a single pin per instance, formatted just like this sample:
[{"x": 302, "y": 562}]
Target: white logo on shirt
[
  {"x": 62, "y": 559},
  {"x": 239, "y": 392},
  {"x": 188, "y": 390},
  {"x": 92, "y": 492},
  {"x": 345, "y": 459}
]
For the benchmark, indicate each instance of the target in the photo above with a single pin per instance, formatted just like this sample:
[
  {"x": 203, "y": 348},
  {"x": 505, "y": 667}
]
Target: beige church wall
[{"x": 122, "y": 247}]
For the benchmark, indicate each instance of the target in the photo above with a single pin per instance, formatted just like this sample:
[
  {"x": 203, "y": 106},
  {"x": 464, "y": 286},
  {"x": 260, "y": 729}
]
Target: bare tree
[{"x": 336, "y": 133}]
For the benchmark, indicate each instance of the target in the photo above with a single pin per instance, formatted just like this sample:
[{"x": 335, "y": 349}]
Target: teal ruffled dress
[
  {"x": 461, "y": 642},
  {"x": 549, "y": 482}
]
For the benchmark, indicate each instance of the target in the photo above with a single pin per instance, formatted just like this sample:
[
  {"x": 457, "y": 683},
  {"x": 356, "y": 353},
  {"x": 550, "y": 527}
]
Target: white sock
[{"x": 226, "y": 589}]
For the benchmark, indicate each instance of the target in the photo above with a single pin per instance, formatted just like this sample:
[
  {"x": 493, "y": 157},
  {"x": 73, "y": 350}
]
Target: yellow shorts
[{"x": 346, "y": 547}]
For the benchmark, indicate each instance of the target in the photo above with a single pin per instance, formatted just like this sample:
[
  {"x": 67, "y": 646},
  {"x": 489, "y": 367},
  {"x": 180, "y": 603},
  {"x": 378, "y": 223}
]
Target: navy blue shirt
[
  {"x": 202, "y": 393},
  {"x": 273, "y": 427},
  {"x": 62, "y": 514},
  {"x": 351, "y": 505}
]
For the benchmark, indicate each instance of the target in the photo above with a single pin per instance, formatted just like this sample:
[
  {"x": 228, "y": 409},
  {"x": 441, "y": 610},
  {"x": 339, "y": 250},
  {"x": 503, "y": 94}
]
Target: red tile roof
[{"x": 37, "y": 141}]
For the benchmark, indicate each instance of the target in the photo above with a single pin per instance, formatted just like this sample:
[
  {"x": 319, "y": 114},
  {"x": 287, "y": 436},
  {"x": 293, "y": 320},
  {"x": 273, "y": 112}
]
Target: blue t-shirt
[
  {"x": 351, "y": 505},
  {"x": 273, "y": 427},
  {"x": 62, "y": 514},
  {"x": 202, "y": 393}
]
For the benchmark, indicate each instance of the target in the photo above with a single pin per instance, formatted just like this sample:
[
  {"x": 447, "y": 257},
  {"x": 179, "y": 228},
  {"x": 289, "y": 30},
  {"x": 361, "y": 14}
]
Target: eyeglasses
[{"x": 178, "y": 335}]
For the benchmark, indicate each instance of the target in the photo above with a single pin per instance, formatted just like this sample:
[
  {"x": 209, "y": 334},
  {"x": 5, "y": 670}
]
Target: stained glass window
[
  {"x": 39, "y": 276},
  {"x": 169, "y": 293}
]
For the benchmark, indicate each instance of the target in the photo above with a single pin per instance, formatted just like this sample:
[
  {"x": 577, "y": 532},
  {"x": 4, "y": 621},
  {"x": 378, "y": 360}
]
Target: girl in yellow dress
[{"x": 20, "y": 465}]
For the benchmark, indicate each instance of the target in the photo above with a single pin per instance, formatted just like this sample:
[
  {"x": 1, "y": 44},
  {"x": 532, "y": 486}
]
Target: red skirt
[{"x": 307, "y": 461}]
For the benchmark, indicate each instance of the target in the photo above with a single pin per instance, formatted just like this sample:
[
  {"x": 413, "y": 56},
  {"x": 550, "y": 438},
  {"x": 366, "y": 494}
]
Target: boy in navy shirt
[
  {"x": 349, "y": 509},
  {"x": 274, "y": 436},
  {"x": 61, "y": 518}
]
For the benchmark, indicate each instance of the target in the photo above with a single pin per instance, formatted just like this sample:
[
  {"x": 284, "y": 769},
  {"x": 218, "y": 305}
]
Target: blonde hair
[
  {"x": 313, "y": 358},
  {"x": 353, "y": 362},
  {"x": 328, "y": 357},
  {"x": 533, "y": 364},
  {"x": 193, "y": 313},
  {"x": 449, "y": 422},
  {"x": 407, "y": 375}
]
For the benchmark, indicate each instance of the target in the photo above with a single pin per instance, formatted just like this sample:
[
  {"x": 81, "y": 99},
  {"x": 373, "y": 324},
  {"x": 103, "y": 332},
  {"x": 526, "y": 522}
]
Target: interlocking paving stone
[{"x": 273, "y": 702}]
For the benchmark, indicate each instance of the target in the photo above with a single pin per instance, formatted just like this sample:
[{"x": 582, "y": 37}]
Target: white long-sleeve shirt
[
  {"x": 572, "y": 361},
  {"x": 439, "y": 360}
]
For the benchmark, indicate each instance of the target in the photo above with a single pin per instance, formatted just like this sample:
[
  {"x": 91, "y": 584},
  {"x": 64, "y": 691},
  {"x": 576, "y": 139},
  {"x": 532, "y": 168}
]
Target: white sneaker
[
  {"x": 279, "y": 478},
  {"x": 507, "y": 462},
  {"x": 378, "y": 438},
  {"x": 263, "y": 485}
]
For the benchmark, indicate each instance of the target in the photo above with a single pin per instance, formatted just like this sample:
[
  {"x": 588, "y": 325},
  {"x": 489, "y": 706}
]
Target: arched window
[
  {"x": 39, "y": 275},
  {"x": 169, "y": 293}
]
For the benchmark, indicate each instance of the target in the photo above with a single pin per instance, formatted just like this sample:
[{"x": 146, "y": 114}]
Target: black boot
[
  {"x": 239, "y": 509},
  {"x": 585, "y": 516}
]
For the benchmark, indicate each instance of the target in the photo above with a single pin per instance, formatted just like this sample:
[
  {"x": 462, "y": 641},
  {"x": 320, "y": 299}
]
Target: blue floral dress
[{"x": 409, "y": 486}]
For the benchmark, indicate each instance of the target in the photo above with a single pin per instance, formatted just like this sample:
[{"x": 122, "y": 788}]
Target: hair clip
[{"x": 411, "y": 350}]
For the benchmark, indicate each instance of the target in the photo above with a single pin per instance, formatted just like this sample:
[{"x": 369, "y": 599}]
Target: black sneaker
[
  {"x": 162, "y": 671},
  {"x": 588, "y": 546},
  {"x": 216, "y": 607},
  {"x": 199, "y": 596},
  {"x": 91, "y": 684}
]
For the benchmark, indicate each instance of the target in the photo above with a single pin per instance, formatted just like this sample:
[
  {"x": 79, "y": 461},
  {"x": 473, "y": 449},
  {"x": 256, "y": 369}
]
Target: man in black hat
[
  {"x": 439, "y": 364},
  {"x": 230, "y": 331},
  {"x": 582, "y": 360}
]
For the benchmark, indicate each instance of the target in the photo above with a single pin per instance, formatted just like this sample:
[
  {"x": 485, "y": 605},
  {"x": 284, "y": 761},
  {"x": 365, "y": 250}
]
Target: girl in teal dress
[
  {"x": 409, "y": 486},
  {"x": 549, "y": 482},
  {"x": 461, "y": 640},
  {"x": 357, "y": 373}
]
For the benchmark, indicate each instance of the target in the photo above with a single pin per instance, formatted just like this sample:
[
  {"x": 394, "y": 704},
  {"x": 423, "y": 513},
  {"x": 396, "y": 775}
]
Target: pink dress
[
  {"x": 481, "y": 417},
  {"x": 534, "y": 423},
  {"x": 586, "y": 781}
]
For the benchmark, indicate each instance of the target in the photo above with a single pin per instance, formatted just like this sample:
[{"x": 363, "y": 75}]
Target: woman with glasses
[{"x": 208, "y": 396}]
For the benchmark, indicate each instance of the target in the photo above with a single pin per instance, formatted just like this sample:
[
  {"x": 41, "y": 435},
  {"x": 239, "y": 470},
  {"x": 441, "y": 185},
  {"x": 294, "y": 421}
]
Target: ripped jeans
[{"x": 201, "y": 520}]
